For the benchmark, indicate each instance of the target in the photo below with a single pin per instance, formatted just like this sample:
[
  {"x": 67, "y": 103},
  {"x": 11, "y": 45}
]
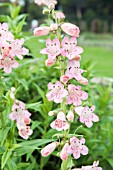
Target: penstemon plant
[{"x": 63, "y": 51}]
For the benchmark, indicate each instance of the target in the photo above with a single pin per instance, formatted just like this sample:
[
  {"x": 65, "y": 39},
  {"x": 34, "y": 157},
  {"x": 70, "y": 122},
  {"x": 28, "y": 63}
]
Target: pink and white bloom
[
  {"x": 40, "y": 31},
  {"x": 60, "y": 123},
  {"x": 25, "y": 131},
  {"x": 4, "y": 33},
  {"x": 60, "y": 15},
  {"x": 73, "y": 70},
  {"x": 92, "y": 167},
  {"x": 53, "y": 50},
  {"x": 17, "y": 49},
  {"x": 7, "y": 63},
  {"x": 76, "y": 95},
  {"x": 77, "y": 147},
  {"x": 70, "y": 29},
  {"x": 86, "y": 115},
  {"x": 22, "y": 117},
  {"x": 47, "y": 150},
  {"x": 70, "y": 116},
  {"x": 69, "y": 48},
  {"x": 57, "y": 92},
  {"x": 64, "y": 154},
  {"x": 20, "y": 114}
]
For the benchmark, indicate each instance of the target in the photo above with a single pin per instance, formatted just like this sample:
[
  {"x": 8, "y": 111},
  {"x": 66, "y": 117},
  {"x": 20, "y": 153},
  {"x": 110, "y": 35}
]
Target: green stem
[{"x": 2, "y": 120}]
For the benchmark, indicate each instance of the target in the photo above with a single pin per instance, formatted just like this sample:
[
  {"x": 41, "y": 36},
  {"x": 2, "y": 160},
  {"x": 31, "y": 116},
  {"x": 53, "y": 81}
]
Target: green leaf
[
  {"x": 110, "y": 160},
  {"x": 11, "y": 165},
  {"x": 14, "y": 11},
  {"x": 20, "y": 25},
  {"x": 3, "y": 18},
  {"x": 34, "y": 106},
  {"x": 22, "y": 165},
  {"x": 30, "y": 146},
  {"x": 3, "y": 134},
  {"x": 5, "y": 158}
]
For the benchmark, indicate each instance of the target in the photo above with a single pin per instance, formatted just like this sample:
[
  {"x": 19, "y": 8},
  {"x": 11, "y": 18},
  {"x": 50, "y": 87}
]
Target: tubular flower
[
  {"x": 22, "y": 117},
  {"x": 69, "y": 48},
  {"x": 76, "y": 95},
  {"x": 77, "y": 147},
  {"x": 92, "y": 167},
  {"x": 60, "y": 123},
  {"x": 57, "y": 92},
  {"x": 73, "y": 70},
  {"x": 53, "y": 50},
  {"x": 9, "y": 48},
  {"x": 86, "y": 115}
]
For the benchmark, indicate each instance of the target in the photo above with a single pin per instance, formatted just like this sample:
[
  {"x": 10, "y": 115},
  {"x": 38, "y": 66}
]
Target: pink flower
[
  {"x": 77, "y": 147},
  {"x": 4, "y": 33},
  {"x": 60, "y": 15},
  {"x": 17, "y": 49},
  {"x": 70, "y": 29},
  {"x": 57, "y": 92},
  {"x": 25, "y": 131},
  {"x": 40, "y": 31},
  {"x": 70, "y": 116},
  {"x": 73, "y": 70},
  {"x": 92, "y": 167},
  {"x": 22, "y": 117},
  {"x": 86, "y": 115},
  {"x": 69, "y": 48},
  {"x": 64, "y": 154},
  {"x": 60, "y": 123},
  {"x": 76, "y": 95},
  {"x": 64, "y": 79},
  {"x": 8, "y": 63},
  {"x": 20, "y": 114},
  {"x": 52, "y": 50},
  {"x": 47, "y": 150}
]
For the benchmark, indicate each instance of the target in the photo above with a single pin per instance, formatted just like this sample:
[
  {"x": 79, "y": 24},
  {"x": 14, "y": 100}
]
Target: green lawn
[{"x": 103, "y": 59}]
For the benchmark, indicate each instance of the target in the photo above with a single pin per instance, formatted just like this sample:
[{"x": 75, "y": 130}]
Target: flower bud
[
  {"x": 70, "y": 29},
  {"x": 47, "y": 150},
  {"x": 70, "y": 116},
  {"x": 51, "y": 6},
  {"x": 54, "y": 27},
  {"x": 63, "y": 153},
  {"x": 13, "y": 89},
  {"x": 45, "y": 11},
  {"x": 83, "y": 81},
  {"x": 51, "y": 113},
  {"x": 40, "y": 31},
  {"x": 64, "y": 79}
]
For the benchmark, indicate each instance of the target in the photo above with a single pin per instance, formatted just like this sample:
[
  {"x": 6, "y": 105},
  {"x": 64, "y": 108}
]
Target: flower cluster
[
  {"x": 65, "y": 52},
  {"x": 22, "y": 117},
  {"x": 9, "y": 48}
]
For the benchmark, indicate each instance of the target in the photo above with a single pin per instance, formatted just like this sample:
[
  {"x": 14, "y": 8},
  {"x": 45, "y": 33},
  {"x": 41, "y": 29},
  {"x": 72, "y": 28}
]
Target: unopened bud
[
  {"x": 54, "y": 27},
  {"x": 51, "y": 6},
  {"x": 13, "y": 89},
  {"x": 51, "y": 113},
  {"x": 45, "y": 11}
]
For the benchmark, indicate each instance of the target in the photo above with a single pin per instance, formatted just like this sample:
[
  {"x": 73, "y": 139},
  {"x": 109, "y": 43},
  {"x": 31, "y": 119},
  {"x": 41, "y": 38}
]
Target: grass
[{"x": 103, "y": 59}]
